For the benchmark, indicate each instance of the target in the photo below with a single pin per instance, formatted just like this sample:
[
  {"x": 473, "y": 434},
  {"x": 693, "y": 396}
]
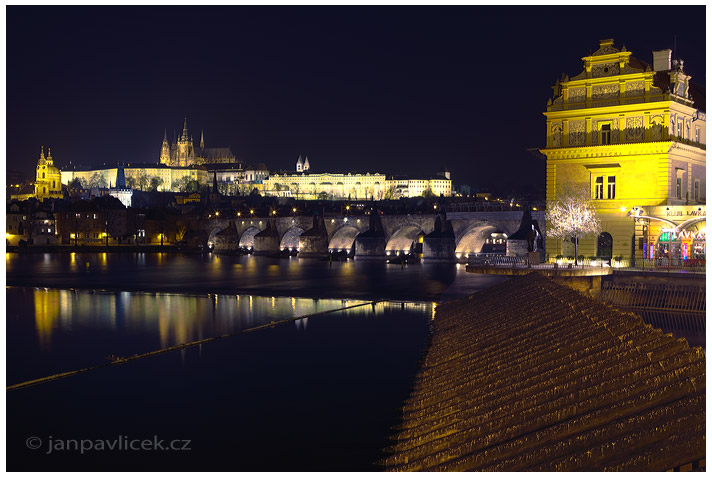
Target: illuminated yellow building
[
  {"x": 634, "y": 134},
  {"x": 48, "y": 178}
]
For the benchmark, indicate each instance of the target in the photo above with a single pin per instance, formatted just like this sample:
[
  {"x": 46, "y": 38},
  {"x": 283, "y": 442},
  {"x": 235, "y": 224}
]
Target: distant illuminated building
[
  {"x": 142, "y": 176},
  {"x": 183, "y": 153},
  {"x": 305, "y": 184},
  {"x": 119, "y": 190},
  {"x": 634, "y": 135},
  {"x": 48, "y": 180},
  {"x": 179, "y": 163}
]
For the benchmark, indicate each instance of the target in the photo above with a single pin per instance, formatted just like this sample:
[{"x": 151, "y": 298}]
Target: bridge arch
[
  {"x": 343, "y": 239},
  {"x": 473, "y": 240},
  {"x": 248, "y": 237},
  {"x": 290, "y": 239},
  {"x": 211, "y": 236},
  {"x": 404, "y": 239}
]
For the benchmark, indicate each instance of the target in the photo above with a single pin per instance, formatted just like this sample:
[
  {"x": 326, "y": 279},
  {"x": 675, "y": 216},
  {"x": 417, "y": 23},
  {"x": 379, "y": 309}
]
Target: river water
[{"x": 320, "y": 393}]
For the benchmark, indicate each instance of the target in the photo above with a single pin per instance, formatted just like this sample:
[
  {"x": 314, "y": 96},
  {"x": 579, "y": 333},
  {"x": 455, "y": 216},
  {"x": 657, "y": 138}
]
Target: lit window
[
  {"x": 679, "y": 188},
  {"x": 606, "y": 134},
  {"x": 611, "y": 187},
  {"x": 697, "y": 134},
  {"x": 679, "y": 129},
  {"x": 697, "y": 190},
  {"x": 599, "y": 188}
]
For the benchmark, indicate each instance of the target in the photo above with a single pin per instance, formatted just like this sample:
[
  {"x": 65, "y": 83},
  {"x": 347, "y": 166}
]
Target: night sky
[{"x": 396, "y": 90}]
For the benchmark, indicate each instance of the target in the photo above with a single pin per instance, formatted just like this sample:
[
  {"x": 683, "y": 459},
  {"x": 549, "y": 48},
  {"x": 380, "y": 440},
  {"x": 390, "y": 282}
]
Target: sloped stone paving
[{"x": 531, "y": 375}]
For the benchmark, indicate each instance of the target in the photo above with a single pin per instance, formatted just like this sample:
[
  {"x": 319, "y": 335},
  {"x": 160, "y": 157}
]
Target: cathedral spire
[
  {"x": 185, "y": 128},
  {"x": 165, "y": 136},
  {"x": 202, "y": 140},
  {"x": 42, "y": 152}
]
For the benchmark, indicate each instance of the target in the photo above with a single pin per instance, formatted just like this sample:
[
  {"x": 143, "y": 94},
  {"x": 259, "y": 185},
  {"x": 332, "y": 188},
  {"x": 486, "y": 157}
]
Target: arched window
[
  {"x": 44, "y": 190},
  {"x": 43, "y": 175},
  {"x": 605, "y": 246}
]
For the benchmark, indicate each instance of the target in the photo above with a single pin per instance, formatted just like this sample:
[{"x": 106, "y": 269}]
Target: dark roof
[
  {"x": 257, "y": 166},
  {"x": 698, "y": 95},
  {"x": 661, "y": 80},
  {"x": 27, "y": 189},
  {"x": 74, "y": 167},
  {"x": 638, "y": 63},
  {"x": 224, "y": 166},
  {"x": 214, "y": 153}
]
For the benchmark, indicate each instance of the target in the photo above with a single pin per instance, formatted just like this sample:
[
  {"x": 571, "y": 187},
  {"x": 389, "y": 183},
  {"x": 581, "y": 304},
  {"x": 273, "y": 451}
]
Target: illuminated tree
[
  {"x": 142, "y": 181},
  {"x": 572, "y": 215},
  {"x": 156, "y": 182},
  {"x": 181, "y": 184},
  {"x": 181, "y": 229},
  {"x": 97, "y": 181},
  {"x": 75, "y": 183}
]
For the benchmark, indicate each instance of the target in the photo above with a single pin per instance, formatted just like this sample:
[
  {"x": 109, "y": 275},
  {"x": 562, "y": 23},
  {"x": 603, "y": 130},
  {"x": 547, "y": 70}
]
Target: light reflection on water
[
  {"x": 210, "y": 273},
  {"x": 66, "y": 321},
  {"x": 317, "y": 394}
]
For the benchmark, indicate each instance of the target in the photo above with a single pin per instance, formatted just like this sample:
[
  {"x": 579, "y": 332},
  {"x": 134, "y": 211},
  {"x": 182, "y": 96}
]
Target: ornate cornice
[{"x": 608, "y": 150}]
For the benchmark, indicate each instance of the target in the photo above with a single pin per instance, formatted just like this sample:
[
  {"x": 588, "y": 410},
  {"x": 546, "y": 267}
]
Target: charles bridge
[{"x": 445, "y": 237}]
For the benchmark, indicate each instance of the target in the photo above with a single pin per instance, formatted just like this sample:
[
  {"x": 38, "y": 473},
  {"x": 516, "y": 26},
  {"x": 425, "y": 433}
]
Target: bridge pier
[
  {"x": 315, "y": 241},
  {"x": 267, "y": 241},
  {"x": 439, "y": 245},
  {"x": 370, "y": 248},
  {"x": 371, "y": 245},
  {"x": 439, "y": 249}
]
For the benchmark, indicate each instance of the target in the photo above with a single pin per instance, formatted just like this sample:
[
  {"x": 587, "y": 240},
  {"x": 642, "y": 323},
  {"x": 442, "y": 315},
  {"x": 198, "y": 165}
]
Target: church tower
[
  {"x": 48, "y": 179},
  {"x": 165, "y": 151},
  {"x": 300, "y": 164},
  {"x": 184, "y": 152},
  {"x": 306, "y": 163}
]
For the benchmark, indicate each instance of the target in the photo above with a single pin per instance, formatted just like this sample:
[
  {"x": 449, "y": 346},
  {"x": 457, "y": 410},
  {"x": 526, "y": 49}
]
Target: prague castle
[
  {"x": 181, "y": 162},
  {"x": 306, "y": 184},
  {"x": 183, "y": 153},
  {"x": 634, "y": 135}
]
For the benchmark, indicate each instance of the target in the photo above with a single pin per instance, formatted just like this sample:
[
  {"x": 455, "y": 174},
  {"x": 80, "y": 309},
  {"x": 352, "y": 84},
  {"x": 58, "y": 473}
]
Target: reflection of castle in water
[{"x": 184, "y": 318}]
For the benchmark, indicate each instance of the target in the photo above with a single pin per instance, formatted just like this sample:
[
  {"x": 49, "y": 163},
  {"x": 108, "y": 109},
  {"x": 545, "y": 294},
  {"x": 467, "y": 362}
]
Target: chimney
[{"x": 661, "y": 60}]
